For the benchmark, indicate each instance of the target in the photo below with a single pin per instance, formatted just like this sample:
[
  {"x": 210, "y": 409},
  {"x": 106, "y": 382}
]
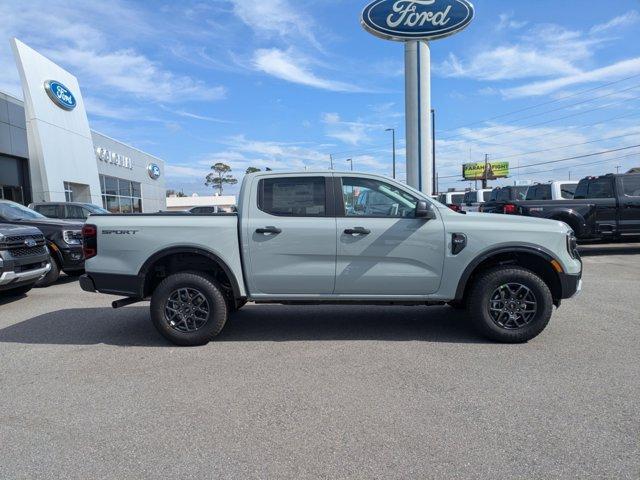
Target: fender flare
[
  {"x": 537, "y": 250},
  {"x": 570, "y": 214},
  {"x": 146, "y": 266}
]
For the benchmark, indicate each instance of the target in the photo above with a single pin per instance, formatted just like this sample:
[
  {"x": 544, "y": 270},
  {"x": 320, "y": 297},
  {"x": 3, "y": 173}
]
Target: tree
[
  {"x": 219, "y": 176},
  {"x": 172, "y": 192},
  {"x": 252, "y": 170}
]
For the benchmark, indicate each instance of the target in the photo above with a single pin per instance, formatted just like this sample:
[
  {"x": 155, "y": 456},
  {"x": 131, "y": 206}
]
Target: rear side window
[
  {"x": 631, "y": 185},
  {"x": 470, "y": 197},
  {"x": 50, "y": 211},
  {"x": 503, "y": 195},
  {"x": 293, "y": 196},
  {"x": 568, "y": 190},
  {"x": 600, "y": 188},
  {"x": 581, "y": 190},
  {"x": 456, "y": 198}
]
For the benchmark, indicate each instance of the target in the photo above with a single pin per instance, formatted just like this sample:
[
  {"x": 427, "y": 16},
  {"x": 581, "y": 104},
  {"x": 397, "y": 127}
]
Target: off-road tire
[
  {"x": 482, "y": 290},
  {"x": 217, "y": 306}
]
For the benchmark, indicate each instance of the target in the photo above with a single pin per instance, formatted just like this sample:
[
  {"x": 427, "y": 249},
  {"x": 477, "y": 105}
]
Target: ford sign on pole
[
  {"x": 416, "y": 19},
  {"x": 60, "y": 95},
  {"x": 415, "y": 22}
]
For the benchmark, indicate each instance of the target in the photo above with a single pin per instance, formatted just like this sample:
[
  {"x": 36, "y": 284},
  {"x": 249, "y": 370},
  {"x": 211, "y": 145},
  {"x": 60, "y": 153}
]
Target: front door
[
  {"x": 629, "y": 187},
  {"x": 382, "y": 248},
  {"x": 291, "y": 235}
]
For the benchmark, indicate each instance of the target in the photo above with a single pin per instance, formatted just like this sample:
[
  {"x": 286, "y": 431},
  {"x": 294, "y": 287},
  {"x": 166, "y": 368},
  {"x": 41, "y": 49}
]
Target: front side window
[
  {"x": 371, "y": 198},
  {"x": 74, "y": 211},
  {"x": 293, "y": 196},
  {"x": 631, "y": 185}
]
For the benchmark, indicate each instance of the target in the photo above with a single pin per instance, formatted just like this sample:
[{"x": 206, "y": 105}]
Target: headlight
[
  {"x": 72, "y": 237},
  {"x": 572, "y": 245}
]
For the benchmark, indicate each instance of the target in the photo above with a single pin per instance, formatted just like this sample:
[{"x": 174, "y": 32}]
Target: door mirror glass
[{"x": 424, "y": 210}]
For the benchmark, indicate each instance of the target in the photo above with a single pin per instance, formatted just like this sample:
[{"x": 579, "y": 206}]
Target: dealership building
[{"x": 48, "y": 153}]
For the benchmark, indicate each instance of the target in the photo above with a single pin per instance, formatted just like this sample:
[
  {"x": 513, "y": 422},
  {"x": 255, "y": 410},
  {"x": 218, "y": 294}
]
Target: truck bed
[{"x": 126, "y": 241}]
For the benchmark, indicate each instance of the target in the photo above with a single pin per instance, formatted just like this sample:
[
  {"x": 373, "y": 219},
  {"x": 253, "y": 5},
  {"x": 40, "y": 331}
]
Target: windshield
[
  {"x": 95, "y": 209},
  {"x": 15, "y": 211}
]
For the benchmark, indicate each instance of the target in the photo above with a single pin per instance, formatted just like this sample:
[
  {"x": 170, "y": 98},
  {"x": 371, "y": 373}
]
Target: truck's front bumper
[
  {"x": 571, "y": 284},
  {"x": 12, "y": 279}
]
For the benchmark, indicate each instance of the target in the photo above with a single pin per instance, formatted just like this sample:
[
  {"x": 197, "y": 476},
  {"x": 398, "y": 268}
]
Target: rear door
[
  {"x": 629, "y": 212},
  {"x": 382, "y": 248},
  {"x": 290, "y": 236}
]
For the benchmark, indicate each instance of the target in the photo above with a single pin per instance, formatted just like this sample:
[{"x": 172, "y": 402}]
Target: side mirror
[{"x": 424, "y": 210}]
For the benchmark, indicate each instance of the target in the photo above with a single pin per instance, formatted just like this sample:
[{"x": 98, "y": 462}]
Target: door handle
[
  {"x": 357, "y": 231},
  {"x": 269, "y": 229}
]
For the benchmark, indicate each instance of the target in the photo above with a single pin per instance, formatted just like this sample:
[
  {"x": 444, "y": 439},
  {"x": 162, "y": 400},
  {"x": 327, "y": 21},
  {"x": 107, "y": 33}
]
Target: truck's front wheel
[
  {"x": 188, "y": 308},
  {"x": 510, "y": 304}
]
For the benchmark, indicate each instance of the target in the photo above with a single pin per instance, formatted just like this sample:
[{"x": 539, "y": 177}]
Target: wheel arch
[
  {"x": 163, "y": 256},
  {"x": 571, "y": 218},
  {"x": 535, "y": 258}
]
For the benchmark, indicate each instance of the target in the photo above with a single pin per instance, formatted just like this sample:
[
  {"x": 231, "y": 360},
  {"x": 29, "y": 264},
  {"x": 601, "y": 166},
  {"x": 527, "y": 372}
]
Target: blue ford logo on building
[
  {"x": 416, "y": 19},
  {"x": 60, "y": 95},
  {"x": 153, "y": 170}
]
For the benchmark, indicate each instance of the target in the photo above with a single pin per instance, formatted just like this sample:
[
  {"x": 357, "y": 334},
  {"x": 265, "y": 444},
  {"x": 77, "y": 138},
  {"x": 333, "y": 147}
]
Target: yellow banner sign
[{"x": 475, "y": 171}]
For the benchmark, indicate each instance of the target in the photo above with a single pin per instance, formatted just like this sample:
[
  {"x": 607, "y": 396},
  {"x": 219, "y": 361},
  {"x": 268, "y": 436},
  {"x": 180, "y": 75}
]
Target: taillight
[
  {"x": 510, "y": 209},
  {"x": 89, "y": 240},
  {"x": 454, "y": 207}
]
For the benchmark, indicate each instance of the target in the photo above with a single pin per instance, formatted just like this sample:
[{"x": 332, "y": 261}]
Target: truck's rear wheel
[
  {"x": 189, "y": 308},
  {"x": 510, "y": 304}
]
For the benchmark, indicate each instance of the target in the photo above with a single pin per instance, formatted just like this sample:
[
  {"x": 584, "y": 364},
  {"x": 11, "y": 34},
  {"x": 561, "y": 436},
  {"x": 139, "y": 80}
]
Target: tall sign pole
[
  {"x": 417, "y": 81},
  {"x": 417, "y": 22}
]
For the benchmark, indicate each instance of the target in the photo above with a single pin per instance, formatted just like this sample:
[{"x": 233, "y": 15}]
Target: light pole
[
  {"x": 393, "y": 143},
  {"x": 350, "y": 160}
]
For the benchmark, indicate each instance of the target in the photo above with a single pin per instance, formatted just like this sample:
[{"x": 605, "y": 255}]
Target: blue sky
[{"x": 283, "y": 83}]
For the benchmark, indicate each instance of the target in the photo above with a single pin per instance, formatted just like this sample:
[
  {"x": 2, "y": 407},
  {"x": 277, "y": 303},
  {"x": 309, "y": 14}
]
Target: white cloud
[
  {"x": 352, "y": 133},
  {"x": 615, "y": 71},
  {"x": 506, "y": 22},
  {"x": 627, "y": 19},
  {"x": 275, "y": 18},
  {"x": 286, "y": 66},
  {"x": 506, "y": 63},
  {"x": 82, "y": 41}
]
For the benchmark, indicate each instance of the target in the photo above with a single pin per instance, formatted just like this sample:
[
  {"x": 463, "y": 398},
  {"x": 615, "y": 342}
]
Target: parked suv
[
  {"x": 24, "y": 258},
  {"x": 63, "y": 238},
  {"x": 67, "y": 210}
]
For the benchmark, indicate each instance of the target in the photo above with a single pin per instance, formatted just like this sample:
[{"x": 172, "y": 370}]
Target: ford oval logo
[
  {"x": 153, "y": 170},
  {"x": 60, "y": 95},
  {"x": 30, "y": 242},
  {"x": 416, "y": 19}
]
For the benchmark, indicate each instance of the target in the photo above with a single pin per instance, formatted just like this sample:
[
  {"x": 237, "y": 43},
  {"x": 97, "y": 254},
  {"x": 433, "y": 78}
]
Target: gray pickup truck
[
  {"x": 24, "y": 258},
  {"x": 308, "y": 238}
]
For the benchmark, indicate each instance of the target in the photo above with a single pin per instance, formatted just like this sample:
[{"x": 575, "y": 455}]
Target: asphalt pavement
[{"x": 323, "y": 392}]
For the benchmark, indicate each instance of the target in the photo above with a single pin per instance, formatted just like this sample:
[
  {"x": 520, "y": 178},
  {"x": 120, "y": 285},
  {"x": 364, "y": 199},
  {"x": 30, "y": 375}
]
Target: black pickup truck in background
[
  {"x": 63, "y": 239},
  {"x": 501, "y": 196},
  {"x": 607, "y": 206}
]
